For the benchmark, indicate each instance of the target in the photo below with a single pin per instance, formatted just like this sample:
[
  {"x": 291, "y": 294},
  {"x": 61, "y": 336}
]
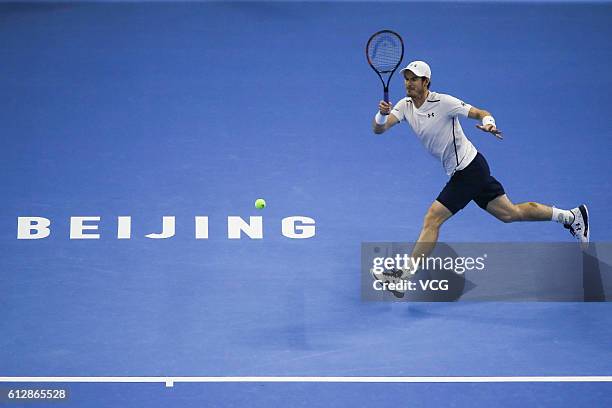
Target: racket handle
[{"x": 386, "y": 95}]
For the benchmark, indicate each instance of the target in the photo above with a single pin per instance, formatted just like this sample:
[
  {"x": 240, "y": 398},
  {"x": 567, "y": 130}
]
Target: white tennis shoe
[
  {"x": 579, "y": 227},
  {"x": 395, "y": 280}
]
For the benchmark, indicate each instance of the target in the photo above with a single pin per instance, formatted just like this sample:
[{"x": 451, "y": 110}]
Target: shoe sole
[
  {"x": 585, "y": 217},
  {"x": 397, "y": 294}
]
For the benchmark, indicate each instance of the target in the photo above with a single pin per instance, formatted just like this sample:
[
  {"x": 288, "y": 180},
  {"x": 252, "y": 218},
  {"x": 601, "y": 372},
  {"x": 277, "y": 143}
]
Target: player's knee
[{"x": 432, "y": 220}]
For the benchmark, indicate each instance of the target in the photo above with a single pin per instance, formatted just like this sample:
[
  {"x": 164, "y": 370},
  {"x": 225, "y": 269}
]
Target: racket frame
[{"x": 379, "y": 73}]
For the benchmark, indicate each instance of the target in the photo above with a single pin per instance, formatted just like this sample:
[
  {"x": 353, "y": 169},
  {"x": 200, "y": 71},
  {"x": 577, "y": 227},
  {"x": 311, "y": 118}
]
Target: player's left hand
[{"x": 491, "y": 129}]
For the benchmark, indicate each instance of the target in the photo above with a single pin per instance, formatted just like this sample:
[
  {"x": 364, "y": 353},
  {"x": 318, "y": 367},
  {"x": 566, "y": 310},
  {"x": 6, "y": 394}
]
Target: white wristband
[
  {"x": 488, "y": 120},
  {"x": 380, "y": 119}
]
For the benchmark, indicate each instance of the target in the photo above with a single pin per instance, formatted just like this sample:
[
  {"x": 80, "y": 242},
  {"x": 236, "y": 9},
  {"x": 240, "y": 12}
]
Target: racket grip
[{"x": 386, "y": 96}]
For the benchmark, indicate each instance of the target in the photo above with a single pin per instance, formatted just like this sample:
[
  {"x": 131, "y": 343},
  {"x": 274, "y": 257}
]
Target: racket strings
[{"x": 385, "y": 52}]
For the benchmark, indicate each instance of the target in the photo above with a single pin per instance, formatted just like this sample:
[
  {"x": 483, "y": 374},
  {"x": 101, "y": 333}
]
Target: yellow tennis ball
[{"x": 260, "y": 203}]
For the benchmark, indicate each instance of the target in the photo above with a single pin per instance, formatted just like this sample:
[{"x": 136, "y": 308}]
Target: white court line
[{"x": 169, "y": 381}]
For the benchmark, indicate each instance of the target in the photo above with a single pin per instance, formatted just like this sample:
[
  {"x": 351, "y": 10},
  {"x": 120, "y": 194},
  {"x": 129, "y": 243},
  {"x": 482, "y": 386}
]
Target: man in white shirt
[{"x": 434, "y": 118}]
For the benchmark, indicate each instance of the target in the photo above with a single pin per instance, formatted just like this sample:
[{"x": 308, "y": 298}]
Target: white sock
[{"x": 564, "y": 217}]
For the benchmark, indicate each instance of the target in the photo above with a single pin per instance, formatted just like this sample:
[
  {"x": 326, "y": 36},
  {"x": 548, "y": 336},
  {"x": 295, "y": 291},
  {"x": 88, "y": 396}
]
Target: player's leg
[
  {"x": 506, "y": 211},
  {"x": 575, "y": 220},
  {"x": 435, "y": 217}
]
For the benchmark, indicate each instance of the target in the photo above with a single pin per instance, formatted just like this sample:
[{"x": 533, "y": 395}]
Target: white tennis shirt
[{"x": 436, "y": 124}]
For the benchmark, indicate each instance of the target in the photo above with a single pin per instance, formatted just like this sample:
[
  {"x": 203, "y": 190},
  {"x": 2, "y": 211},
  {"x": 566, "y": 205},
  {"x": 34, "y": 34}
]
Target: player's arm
[
  {"x": 384, "y": 115},
  {"x": 488, "y": 122}
]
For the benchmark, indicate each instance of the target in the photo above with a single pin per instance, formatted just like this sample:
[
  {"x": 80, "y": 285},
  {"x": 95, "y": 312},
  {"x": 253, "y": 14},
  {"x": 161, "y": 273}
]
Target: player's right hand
[{"x": 385, "y": 107}]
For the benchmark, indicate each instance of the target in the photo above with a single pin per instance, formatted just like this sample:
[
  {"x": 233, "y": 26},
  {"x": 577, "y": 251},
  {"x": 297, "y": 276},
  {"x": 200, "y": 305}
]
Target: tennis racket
[{"x": 385, "y": 50}]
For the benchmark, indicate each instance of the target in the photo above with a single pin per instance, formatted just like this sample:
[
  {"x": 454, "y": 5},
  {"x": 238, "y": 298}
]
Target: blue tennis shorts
[{"x": 472, "y": 183}]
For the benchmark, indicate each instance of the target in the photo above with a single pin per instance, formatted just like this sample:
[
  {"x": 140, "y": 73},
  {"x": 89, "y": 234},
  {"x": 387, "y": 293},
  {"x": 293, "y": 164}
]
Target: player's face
[{"x": 415, "y": 86}]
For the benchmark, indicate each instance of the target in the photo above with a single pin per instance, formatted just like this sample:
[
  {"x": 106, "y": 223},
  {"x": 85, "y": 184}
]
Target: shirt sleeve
[
  {"x": 455, "y": 107},
  {"x": 398, "y": 110}
]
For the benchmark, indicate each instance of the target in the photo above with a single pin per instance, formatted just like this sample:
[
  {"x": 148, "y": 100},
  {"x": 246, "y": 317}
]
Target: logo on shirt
[{"x": 431, "y": 115}]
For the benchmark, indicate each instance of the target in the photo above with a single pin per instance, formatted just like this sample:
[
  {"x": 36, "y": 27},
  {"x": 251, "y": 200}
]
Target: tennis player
[{"x": 434, "y": 118}]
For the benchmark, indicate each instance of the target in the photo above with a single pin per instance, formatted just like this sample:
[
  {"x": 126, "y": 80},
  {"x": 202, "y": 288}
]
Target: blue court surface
[{"x": 195, "y": 109}]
